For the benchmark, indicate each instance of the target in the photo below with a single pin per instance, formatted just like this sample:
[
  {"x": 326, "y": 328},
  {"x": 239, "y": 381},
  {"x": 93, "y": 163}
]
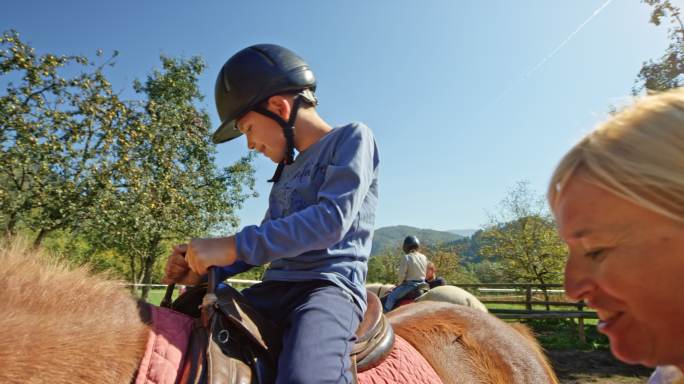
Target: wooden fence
[{"x": 527, "y": 300}]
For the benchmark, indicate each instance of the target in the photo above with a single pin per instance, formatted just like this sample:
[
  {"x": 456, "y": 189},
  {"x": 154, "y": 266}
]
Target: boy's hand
[
  {"x": 215, "y": 252},
  {"x": 177, "y": 268}
]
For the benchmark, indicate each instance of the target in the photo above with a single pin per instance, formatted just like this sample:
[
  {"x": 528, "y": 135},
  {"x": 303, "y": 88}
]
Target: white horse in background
[
  {"x": 445, "y": 293},
  {"x": 380, "y": 289}
]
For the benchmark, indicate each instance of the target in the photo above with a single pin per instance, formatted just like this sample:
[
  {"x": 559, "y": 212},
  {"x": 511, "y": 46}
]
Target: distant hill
[
  {"x": 463, "y": 232},
  {"x": 392, "y": 237}
]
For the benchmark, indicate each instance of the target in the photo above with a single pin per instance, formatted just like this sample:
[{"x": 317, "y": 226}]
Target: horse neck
[{"x": 54, "y": 319}]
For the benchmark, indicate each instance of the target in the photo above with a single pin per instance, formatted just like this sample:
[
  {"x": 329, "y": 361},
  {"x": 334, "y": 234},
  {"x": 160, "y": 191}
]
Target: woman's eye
[{"x": 594, "y": 253}]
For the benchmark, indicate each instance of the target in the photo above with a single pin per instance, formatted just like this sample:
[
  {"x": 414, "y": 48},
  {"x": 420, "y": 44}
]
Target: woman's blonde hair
[{"x": 638, "y": 154}]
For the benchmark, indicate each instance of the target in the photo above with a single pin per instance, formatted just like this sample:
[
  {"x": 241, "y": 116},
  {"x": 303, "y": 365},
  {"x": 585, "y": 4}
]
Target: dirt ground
[{"x": 575, "y": 367}]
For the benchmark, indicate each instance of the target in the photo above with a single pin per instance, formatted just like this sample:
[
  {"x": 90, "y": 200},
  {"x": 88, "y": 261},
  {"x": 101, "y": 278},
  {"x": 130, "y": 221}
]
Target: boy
[
  {"x": 411, "y": 272},
  {"x": 318, "y": 229}
]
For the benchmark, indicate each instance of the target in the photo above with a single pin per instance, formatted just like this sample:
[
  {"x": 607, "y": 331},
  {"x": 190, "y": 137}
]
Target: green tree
[
  {"x": 523, "y": 239},
  {"x": 383, "y": 268},
  {"x": 170, "y": 189},
  {"x": 59, "y": 134},
  {"x": 487, "y": 271},
  {"x": 447, "y": 262},
  {"x": 115, "y": 182},
  {"x": 666, "y": 71}
]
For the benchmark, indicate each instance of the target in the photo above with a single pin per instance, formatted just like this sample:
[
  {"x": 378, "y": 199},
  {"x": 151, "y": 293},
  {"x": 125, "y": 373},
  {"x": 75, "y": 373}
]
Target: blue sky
[{"x": 453, "y": 89}]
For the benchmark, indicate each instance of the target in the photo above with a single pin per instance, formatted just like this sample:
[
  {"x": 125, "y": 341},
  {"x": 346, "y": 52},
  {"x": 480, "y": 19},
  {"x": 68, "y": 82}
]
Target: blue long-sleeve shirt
[{"x": 319, "y": 224}]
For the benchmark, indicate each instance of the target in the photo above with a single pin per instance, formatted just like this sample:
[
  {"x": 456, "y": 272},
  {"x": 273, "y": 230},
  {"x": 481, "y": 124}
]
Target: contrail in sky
[{"x": 550, "y": 55}]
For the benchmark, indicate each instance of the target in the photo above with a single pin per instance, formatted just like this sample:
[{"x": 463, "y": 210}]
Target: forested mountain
[
  {"x": 392, "y": 237},
  {"x": 463, "y": 232}
]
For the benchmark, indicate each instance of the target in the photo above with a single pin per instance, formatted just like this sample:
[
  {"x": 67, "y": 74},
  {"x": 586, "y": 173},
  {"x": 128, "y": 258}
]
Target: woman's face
[{"x": 627, "y": 263}]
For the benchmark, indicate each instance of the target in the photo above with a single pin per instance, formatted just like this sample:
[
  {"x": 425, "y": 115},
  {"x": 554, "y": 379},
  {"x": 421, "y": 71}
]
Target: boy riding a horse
[
  {"x": 412, "y": 270},
  {"x": 317, "y": 231}
]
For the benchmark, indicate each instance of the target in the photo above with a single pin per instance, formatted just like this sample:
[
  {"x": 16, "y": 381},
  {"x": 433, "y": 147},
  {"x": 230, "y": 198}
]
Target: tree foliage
[
  {"x": 666, "y": 71},
  {"x": 448, "y": 264},
  {"x": 118, "y": 179},
  {"x": 59, "y": 134},
  {"x": 383, "y": 268},
  {"x": 522, "y": 239},
  {"x": 170, "y": 188}
]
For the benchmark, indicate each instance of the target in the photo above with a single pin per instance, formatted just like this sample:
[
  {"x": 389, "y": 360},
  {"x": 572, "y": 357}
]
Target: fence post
[
  {"x": 528, "y": 298},
  {"x": 580, "y": 323}
]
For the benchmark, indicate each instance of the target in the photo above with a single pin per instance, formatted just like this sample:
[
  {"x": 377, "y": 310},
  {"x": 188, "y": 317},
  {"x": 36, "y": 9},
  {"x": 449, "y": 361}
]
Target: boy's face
[{"x": 263, "y": 135}]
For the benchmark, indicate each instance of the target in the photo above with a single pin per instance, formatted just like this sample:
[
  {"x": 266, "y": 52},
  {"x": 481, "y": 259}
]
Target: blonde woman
[{"x": 618, "y": 197}]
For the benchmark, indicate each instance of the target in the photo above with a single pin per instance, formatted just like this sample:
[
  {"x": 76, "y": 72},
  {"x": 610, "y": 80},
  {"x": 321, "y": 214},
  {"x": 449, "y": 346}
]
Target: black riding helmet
[
  {"x": 411, "y": 243},
  {"x": 253, "y": 75}
]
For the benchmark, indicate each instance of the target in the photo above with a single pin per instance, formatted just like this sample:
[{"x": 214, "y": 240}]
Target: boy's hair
[{"x": 309, "y": 99}]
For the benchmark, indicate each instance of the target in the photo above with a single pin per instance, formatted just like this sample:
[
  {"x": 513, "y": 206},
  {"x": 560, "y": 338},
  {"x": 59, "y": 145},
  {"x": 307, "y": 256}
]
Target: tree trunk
[
  {"x": 11, "y": 224},
  {"x": 147, "y": 267},
  {"x": 140, "y": 274},
  {"x": 133, "y": 279},
  {"x": 146, "y": 278},
  {"x": 41, "y": 236}
]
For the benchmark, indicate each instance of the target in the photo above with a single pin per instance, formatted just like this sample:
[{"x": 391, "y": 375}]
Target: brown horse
[{"x": 62, "y": 325}]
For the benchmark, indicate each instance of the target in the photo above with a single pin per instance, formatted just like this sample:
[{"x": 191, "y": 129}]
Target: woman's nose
[{"x": 579, "y": 282}]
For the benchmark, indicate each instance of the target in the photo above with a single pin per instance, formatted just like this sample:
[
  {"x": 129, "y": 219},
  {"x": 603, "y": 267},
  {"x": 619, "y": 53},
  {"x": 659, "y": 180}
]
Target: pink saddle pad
[
  {"x": 403, "y": 365},
  {"x": 166, "y": 346}
]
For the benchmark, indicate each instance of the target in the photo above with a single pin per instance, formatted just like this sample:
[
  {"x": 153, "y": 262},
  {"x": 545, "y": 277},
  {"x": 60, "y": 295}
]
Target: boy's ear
[{"x": 280, "y": 105}]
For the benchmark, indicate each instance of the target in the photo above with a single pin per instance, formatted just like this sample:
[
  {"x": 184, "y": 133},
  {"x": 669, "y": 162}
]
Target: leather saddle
[{"x": 231, "y": 342}]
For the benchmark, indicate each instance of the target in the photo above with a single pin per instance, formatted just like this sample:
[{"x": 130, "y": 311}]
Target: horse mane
[
  {"x": 56, "y": 318},
  {"x": 491, "y": 350},
  {"x": 528, "y": 335}
]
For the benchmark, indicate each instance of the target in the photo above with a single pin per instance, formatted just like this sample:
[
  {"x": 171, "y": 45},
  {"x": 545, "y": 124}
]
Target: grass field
[
  {"x": 157, "y": 294},
  {"x": 560, "y": 334}
]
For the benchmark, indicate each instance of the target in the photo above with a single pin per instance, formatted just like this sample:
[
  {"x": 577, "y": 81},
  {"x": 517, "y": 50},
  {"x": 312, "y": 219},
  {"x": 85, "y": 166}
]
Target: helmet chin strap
[{"x": 288, "y": 131}]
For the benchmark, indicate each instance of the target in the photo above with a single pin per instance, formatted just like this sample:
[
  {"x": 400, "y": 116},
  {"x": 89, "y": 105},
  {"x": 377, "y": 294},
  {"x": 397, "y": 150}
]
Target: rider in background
[
  {"x": 431, "y": 276},
  {"x": 411, "y": 272},
  {"x": 318, "y": 228}
]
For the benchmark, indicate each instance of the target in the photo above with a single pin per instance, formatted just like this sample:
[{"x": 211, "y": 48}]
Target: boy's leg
[
  {"x": 318, "y": 337},
  {"x": 273, "y": 299},
  {"x": 397, "y": 293}
]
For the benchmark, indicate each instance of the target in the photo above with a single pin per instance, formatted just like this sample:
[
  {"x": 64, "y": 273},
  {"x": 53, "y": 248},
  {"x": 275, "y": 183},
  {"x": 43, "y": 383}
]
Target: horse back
[{"x": 465, "y": 345}]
